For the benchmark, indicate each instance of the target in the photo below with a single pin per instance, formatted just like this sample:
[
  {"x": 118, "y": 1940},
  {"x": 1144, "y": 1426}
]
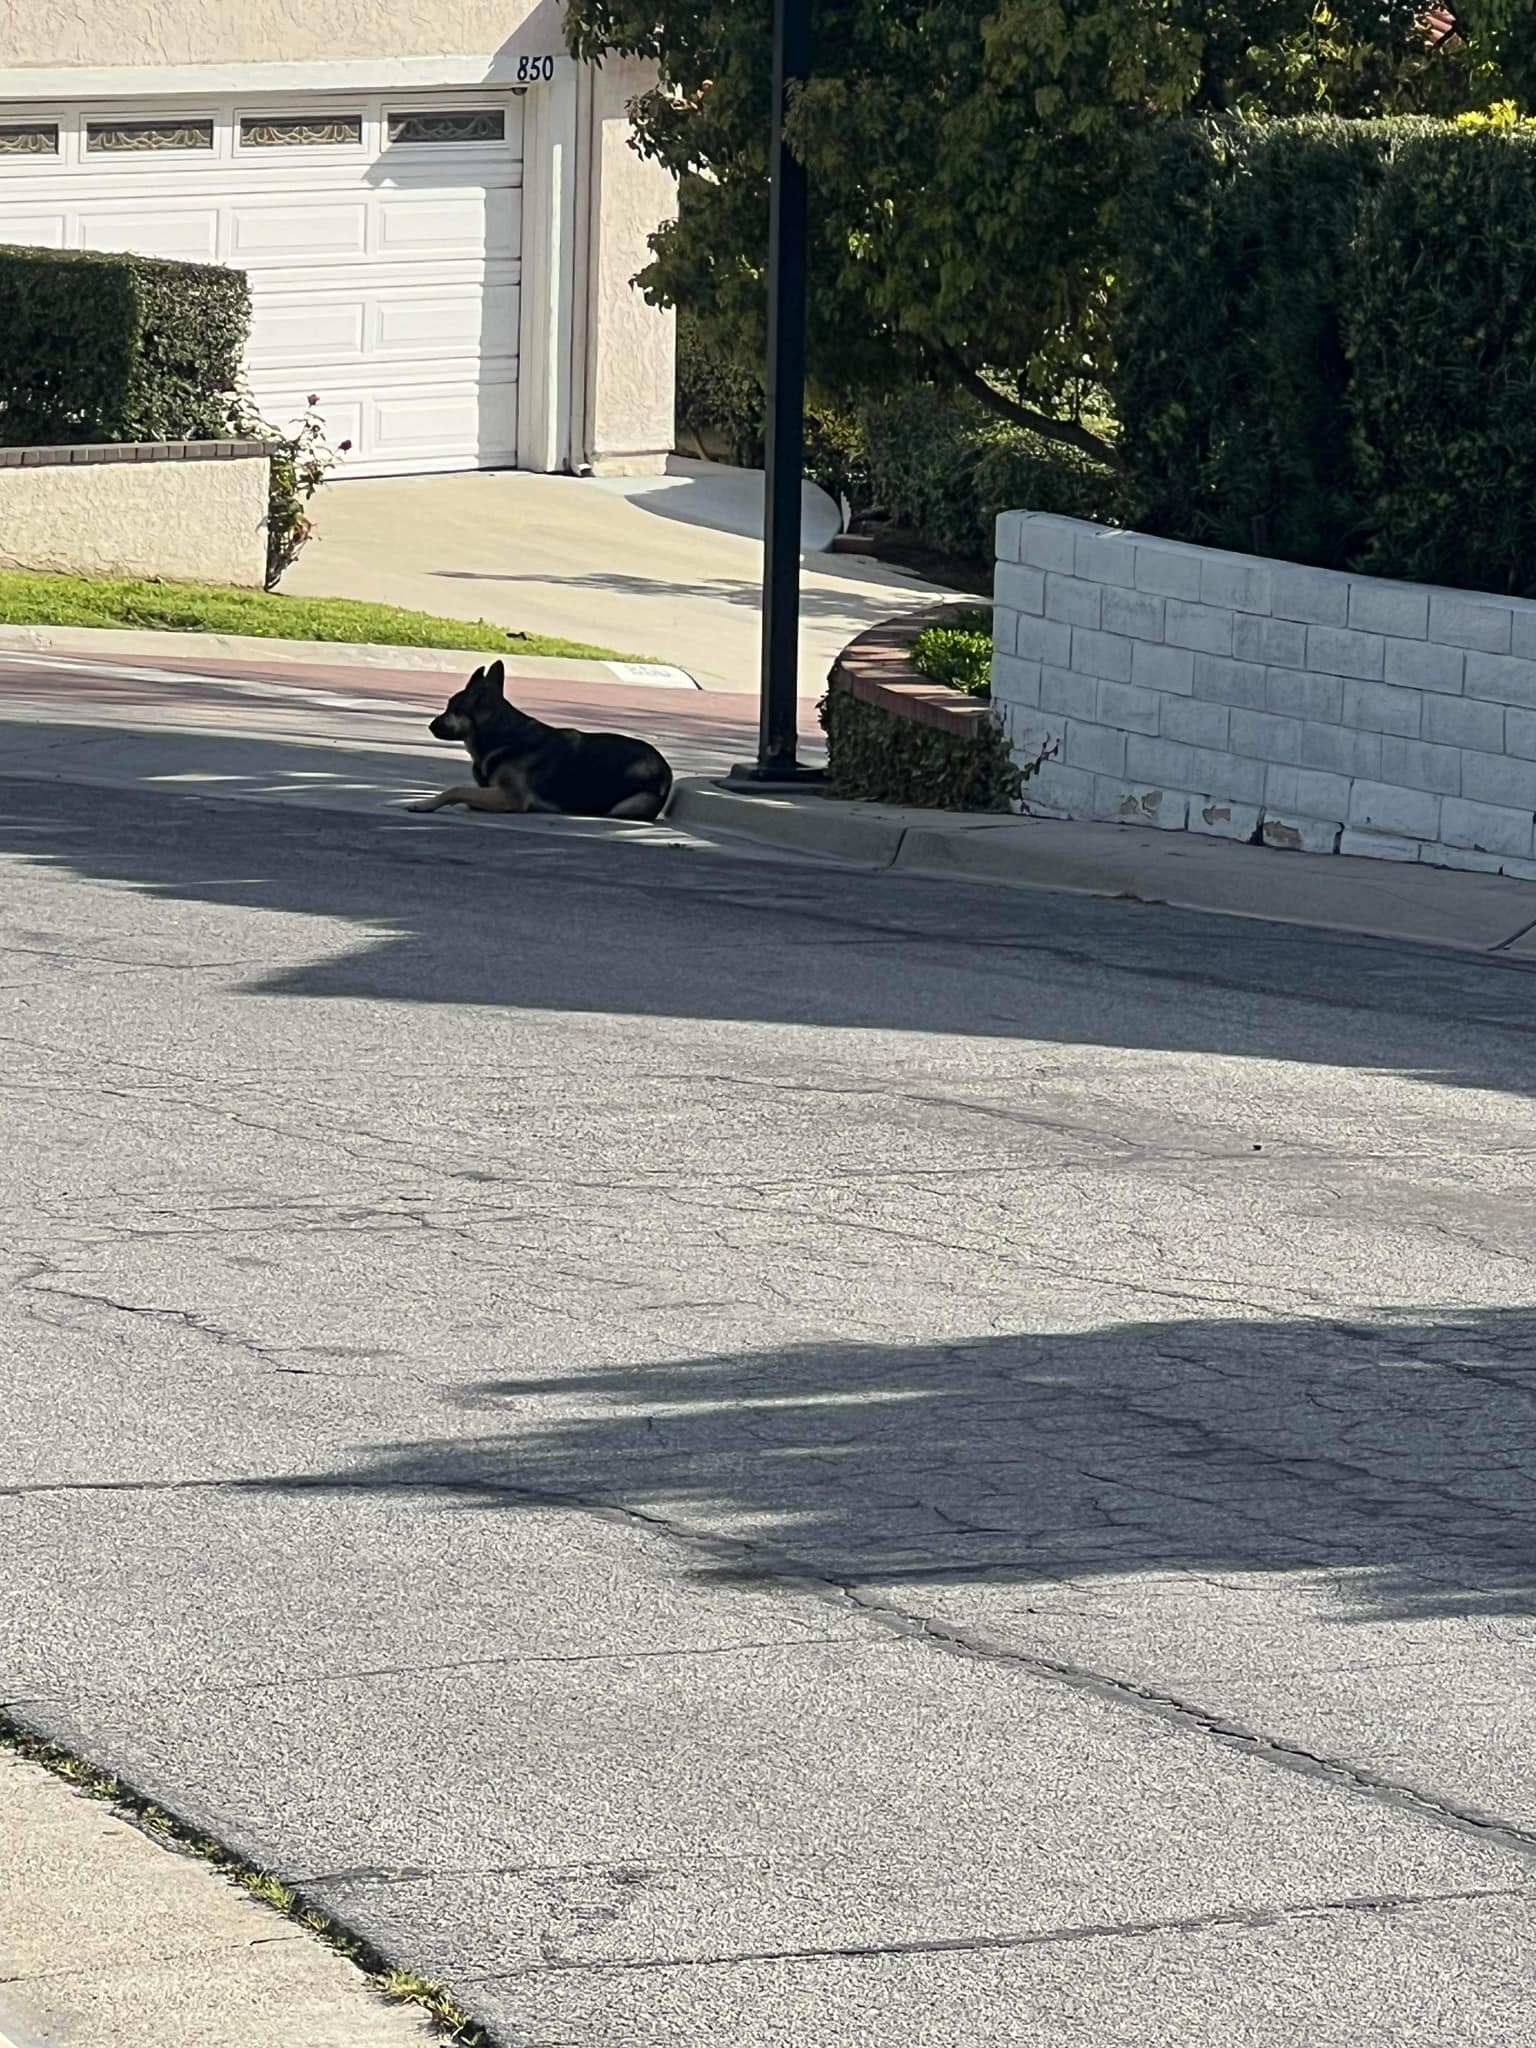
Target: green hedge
[
  {"x": 874, "y": 756},
  {"x": 957, "y": 653},
  {"x": 116, "y": 348},
  {"x": 1327, "y": 345}
]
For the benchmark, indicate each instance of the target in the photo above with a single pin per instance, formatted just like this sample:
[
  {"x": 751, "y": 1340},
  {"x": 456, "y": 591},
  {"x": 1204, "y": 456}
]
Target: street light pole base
[{"x": 774, "y": 775}]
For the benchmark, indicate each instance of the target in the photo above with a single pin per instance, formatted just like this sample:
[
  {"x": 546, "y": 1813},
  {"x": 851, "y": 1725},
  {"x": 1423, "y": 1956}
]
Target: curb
[
  {"x": 118, "y": 643},
  {"x": 1465, "y": 911}
]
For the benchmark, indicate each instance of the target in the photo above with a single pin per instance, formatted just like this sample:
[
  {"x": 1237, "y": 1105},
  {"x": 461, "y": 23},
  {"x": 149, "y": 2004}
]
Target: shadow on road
[
  {"x": 493, "y": 912},
  {"x": 1398, "y": 1459}
]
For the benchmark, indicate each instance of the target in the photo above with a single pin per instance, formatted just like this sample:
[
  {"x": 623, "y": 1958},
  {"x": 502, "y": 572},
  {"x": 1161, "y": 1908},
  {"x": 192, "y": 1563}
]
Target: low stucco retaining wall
[
  {"x": 1198, "y": 690},
  {"x": 188, "y": 511}
]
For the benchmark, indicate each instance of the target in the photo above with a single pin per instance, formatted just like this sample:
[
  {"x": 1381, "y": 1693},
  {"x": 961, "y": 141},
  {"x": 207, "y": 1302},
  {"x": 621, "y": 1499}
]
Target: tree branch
[{"x": 1072, "y": 433}]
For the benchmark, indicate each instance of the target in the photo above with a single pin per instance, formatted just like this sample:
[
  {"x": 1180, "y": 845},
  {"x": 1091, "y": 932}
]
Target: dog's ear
[
  {"x": 496, "y": 678},
  {"x": 477, "y": 680}
]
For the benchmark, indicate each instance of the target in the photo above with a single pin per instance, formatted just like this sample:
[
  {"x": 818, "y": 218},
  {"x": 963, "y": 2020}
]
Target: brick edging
[
  {"x": 74, "y": 454},
  {"x": 877, "y": 669}
]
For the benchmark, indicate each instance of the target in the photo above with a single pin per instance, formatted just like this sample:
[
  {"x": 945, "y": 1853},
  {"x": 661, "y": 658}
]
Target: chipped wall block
[
  {"x": 1137, "y": 804},
  {"x": 1295, "y": 832},
  {"x": 1220, "y": 818}
]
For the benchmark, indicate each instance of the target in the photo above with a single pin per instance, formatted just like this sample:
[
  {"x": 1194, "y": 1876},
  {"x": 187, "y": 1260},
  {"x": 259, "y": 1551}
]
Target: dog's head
[{"x": 470, "y": 708}]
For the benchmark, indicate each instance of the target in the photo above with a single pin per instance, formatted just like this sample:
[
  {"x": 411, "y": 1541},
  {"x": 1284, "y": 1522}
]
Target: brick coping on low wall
[
  {"x": 72, "y": 453},
  {"x": 1304, "y": 708},
  {"x": 877, "y": 669}
]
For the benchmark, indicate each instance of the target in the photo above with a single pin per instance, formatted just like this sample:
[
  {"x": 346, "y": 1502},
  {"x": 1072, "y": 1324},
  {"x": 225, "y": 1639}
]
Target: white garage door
[{"x": 382, "y": 239}]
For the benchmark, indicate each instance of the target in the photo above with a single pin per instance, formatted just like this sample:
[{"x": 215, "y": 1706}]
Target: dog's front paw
[{"x": 422, "y": 803}]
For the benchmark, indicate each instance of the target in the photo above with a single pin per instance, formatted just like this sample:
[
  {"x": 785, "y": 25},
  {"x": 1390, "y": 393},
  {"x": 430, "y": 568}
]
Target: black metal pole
[{"x": 777, "y": 735}]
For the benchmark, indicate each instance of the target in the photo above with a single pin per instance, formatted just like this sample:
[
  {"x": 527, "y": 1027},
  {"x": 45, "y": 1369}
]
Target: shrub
[
  {"x": 1440, "y": 329},
  {"x": 957, "y": 653},
  {"x": 719, "y": 400},
  {"x": 875, "y": 756},
  {"x": 302, "y": 459},
  {"x": 943, "y": 468},
  {"x": 1325, "y": 342},
  {"x": 937, "y": 464},
  {"x": 116, "y": 348}
]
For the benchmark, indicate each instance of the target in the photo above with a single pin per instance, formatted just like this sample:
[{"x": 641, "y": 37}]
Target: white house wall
[{"x": 202, "y": 32}]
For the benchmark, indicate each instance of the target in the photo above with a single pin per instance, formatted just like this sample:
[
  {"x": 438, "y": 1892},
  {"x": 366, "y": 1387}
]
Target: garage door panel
[
  {"x": 36, "y": 230},
  {"x": 186, "y": 234},
  {"x": 446, "y": 224},
  {"x": 299, "y": 331},
  {"x": 475, "y": 324},
  {"x": 294, "y": 229},
  {"x": 480, "y": 416}
]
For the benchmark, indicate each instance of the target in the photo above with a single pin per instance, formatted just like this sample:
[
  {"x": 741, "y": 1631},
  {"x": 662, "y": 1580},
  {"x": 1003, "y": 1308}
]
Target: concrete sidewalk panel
[{"x": 111, "y": 1940}]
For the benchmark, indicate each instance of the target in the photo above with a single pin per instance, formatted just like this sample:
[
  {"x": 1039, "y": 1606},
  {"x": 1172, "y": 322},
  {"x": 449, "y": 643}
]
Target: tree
[{"x": 965, "y": 158}]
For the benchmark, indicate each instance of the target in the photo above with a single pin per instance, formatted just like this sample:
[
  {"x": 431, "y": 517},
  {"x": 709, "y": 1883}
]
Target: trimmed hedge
[
  {"x": 874, "y": 756},
  {"x": 1327, "y": 345},
  {"x": 1440, "y": 331},
  {"x": 117, "y": 348}
]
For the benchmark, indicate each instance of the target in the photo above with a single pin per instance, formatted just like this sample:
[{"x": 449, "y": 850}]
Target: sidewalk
[
  {"x": 109, "y": 1940},
  {"x": 1333, "y": 892}
]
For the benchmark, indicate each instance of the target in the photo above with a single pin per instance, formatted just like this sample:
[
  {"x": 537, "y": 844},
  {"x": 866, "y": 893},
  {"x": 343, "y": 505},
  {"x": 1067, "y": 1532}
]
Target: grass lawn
[{"x": 27, "y": 600}]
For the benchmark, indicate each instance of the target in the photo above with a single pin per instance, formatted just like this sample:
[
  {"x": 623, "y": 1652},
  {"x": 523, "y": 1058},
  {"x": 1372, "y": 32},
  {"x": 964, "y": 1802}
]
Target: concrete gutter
[
  {"x": 110, "y": 643},
  {"x": 1378, "y": 899}
]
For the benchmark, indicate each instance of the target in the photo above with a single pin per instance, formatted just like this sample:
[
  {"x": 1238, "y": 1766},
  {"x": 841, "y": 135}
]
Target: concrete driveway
[{"x": 669, "y": 567}]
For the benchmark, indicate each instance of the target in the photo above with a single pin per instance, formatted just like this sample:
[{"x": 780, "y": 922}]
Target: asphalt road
[{"x": 735, "y": 1454}]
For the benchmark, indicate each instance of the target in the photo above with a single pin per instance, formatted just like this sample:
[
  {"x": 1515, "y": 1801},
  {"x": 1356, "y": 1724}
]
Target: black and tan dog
[{"x": 521, "y": 764}]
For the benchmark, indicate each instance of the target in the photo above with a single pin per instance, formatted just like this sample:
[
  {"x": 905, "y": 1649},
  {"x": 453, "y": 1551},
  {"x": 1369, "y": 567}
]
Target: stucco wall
[
  {"x": 194, "y": 522},
  {"x": 631, "y": 371},
  {"x": 151, "y": 32},
  {"x": 1219, "y": 693}
]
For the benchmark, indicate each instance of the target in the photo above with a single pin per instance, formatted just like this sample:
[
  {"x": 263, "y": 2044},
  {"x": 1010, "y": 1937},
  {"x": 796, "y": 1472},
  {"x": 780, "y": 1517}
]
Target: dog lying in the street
[{"x": 520, "y": 764}]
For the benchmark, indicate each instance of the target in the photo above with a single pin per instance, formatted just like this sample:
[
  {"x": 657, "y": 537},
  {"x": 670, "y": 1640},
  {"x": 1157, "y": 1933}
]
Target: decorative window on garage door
[
  {"x": 301, "y": 131},
  {"x": 473, "y": 124},
  {"x": 29, "y": 138},
  {"x": 142, "y": 138}
]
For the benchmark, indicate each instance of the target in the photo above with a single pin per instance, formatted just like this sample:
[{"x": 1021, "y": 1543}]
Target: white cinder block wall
[{"x": 1211, "y": 692}]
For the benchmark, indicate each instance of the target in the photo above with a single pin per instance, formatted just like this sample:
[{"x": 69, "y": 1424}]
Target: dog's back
[{"x": 584, "y": 774}]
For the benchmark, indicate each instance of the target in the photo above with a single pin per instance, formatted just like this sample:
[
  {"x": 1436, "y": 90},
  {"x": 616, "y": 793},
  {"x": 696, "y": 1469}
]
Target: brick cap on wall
[
  {"x": 877, "y": 669},
  {"x": 73, "y": 453}
]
